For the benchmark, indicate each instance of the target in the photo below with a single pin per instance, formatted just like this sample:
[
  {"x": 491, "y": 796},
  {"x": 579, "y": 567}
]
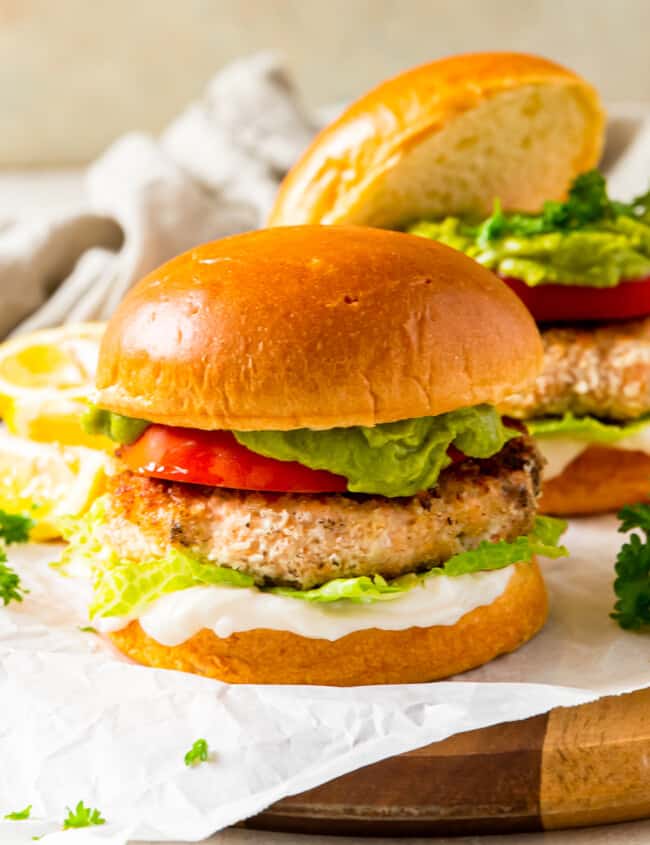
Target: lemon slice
[
  {"x": 45, "y": 380},
  {"x": 49, "y": 482}
]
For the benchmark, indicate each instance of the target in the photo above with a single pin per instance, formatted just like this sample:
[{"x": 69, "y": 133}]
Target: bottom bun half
[
  {"x": 600, "y": 479},
  {"x": 372, "y": 656}
]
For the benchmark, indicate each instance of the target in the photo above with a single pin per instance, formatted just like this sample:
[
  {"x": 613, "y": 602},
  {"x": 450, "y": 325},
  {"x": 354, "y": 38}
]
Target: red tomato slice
[
  {"x": 568, "y": 303},
  {"x": 455, "y": 455},
  {"x": 216, "y": 459}
]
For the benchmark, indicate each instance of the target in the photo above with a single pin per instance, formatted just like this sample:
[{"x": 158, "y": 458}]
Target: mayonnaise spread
[
  {"x": 438, "y": 600},
  {"x": 560, "y": 451}
]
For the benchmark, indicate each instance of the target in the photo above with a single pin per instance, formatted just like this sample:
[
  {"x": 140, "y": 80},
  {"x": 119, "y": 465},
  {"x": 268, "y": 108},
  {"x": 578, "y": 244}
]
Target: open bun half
[{"x": 446, "y": 138}]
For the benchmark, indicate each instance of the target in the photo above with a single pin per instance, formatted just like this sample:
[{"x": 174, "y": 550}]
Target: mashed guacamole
[{"x": 589, "y": 240}]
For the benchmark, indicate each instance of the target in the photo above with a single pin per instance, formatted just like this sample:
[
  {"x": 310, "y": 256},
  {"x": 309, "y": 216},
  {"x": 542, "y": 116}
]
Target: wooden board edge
[
  {"x": 596, "y": 763},
  {"x": 481, "y": 781}
]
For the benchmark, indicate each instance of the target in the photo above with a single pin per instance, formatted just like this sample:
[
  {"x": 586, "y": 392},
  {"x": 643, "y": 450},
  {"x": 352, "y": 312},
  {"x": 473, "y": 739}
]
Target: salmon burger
[{"x": 315, "y": 485}]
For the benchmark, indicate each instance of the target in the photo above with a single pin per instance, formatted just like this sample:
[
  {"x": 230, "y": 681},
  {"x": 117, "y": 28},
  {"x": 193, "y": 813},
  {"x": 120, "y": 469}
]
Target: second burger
[{"x": 493, "y": 154}]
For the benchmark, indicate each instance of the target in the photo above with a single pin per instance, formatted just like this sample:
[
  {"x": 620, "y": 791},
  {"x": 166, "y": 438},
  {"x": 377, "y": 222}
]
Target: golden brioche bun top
[
  {"x": 447, "y": 138},
  {"x": 316, "y": 327}
]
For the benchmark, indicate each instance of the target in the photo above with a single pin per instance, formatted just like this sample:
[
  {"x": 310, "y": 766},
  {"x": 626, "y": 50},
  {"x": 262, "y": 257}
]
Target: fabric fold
[{"x": 213, "y": 172}]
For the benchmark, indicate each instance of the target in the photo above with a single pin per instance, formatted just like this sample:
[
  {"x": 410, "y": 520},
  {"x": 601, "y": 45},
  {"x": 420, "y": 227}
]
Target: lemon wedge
[
  {"x": 49, "y": 482},
  {"x": 45, "y": 380}
]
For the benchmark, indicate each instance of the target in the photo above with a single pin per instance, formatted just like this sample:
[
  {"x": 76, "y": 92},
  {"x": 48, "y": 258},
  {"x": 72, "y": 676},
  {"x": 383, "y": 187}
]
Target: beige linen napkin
[{"x": 211, "y": 173}]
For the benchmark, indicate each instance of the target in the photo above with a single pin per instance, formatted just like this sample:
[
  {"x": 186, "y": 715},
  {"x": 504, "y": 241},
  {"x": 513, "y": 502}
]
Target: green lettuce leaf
[
  {"x": 589, "y": 240},
  {"x": 586, "y": 428},
  {"x": 360, "y": 590},
  {"x": 125, "y": 588},
  {"x": 120, "y": 429},
  {"x": 394, "y": 459}
]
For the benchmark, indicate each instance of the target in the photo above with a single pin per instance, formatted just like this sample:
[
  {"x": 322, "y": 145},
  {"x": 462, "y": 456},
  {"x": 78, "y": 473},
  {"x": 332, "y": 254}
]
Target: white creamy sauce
[
  {"x": 560, "y": 451},
  {"x": 441, "y": 600}
]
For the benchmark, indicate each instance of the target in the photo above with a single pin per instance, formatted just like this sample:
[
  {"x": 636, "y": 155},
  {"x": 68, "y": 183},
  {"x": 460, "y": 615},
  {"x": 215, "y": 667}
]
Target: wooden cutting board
[{"x": 568, "y": 768}]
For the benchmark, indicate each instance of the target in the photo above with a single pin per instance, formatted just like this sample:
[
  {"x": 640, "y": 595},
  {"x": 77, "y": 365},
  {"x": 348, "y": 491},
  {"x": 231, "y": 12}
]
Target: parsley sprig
[
  {"x": 10, "y": 587},
  {"x": 82, "y": 816},
  {"x": 20, "y": 815},
  {"x": 588, "y": 202},
  {"x": 632, "y": 584},
  {"x": 14, "y": 528},
  {"x": 198, "y": 753}
]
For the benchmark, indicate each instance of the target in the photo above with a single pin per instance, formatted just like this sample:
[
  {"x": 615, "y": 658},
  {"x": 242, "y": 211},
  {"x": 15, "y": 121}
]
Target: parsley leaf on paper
[
  {"x": 14, "y": 528},
  {"x": 82, "y": 816},
  {"x": 632, "y": 584},
  {"x": 198, "y": 753},
  {"x": 20, "y": 815}
]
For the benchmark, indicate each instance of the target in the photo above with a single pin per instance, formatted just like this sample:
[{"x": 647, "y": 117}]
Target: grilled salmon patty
[
  {"x": 305, "y": 540},
  {"x": 603, "y": 370}
]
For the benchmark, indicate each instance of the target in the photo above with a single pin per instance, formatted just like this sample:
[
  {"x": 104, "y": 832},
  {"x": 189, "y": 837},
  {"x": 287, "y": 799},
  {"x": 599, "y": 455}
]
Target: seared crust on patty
[
  {"x": 306, "y": 540},
  {"x": 602, "y": 370}
]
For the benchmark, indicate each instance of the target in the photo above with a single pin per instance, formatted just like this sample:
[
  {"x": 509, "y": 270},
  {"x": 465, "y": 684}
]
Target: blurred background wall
[{"x": 74, "y": 74}]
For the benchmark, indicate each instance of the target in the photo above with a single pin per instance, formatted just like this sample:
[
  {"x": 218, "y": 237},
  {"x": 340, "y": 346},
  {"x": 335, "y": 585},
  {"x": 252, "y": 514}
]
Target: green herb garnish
[
  {"x": 82, "y": 817},
  {"x": 14, "y": 528},
  {"x": 587, "y": 203},
  {"x": 632, "y": 584},
  {"x": 198, "y": 753},
  {"x": 20, "y": 815},
  {"x": 10, "y": 586}
]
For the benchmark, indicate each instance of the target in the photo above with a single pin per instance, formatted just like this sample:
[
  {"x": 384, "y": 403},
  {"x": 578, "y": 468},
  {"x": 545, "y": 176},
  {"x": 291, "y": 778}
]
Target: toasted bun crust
[
  {"x": 447, "y": 138},
  {"x": 364, "y": 657},
  {"x": 317, "y": 327},
  {"x": 600, "y": 479}
]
